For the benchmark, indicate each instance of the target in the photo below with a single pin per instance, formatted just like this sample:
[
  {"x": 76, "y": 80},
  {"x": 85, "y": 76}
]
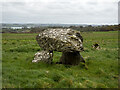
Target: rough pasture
[{"x": 18, "y": 71}]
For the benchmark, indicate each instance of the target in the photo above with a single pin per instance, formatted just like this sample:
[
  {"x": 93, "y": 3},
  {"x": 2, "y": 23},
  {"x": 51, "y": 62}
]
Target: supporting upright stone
[{"x": 71, "y": 58}]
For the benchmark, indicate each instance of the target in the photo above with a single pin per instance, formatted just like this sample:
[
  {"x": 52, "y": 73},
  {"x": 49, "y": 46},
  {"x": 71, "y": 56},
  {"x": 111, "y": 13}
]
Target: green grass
[{"x": 18, "y": 71}]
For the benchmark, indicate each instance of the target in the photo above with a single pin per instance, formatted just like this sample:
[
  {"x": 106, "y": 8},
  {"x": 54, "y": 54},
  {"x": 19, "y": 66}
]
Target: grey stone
[
  {"x": 96, "y": 46},
  {"x": 44, "y": 56},
  {"x": 61, "y": 40},
  {"x": 71, "y": 58}
]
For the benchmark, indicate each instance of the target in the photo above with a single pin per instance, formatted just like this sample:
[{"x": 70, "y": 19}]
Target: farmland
[{"x": 18, "y": 71}]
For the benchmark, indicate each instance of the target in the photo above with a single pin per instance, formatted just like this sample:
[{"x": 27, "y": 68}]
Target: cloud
[{"x": 60, "y": 11}]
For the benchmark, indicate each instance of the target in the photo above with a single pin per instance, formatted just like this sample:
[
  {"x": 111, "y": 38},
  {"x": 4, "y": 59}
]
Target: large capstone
[
  {"x": 60, "y": 40},
  {"x": 67, "y": 41}
]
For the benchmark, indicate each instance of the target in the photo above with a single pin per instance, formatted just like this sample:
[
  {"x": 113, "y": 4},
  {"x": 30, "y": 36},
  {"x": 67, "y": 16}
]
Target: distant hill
[{"x": 34, "y": 28}]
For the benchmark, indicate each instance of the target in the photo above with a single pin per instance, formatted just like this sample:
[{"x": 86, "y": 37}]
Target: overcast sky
[{"x": 60, "y": 11}]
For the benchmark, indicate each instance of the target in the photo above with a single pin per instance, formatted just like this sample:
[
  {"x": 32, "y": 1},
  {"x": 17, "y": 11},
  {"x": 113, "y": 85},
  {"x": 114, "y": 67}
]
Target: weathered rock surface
[
  {"x": 60, "y": 40},
  {"x": 44, "y": 56},
  {"x": 67, "y": 41}
]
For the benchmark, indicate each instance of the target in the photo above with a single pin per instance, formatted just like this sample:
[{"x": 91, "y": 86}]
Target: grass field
[{"x": 18, "y": 71}]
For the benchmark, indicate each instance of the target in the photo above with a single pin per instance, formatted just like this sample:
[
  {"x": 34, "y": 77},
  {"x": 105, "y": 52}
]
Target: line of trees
[
  {"x": 79, "y": 28},
  {"x": 97, "y": 28},
  {"x": 82, "y": 28}
]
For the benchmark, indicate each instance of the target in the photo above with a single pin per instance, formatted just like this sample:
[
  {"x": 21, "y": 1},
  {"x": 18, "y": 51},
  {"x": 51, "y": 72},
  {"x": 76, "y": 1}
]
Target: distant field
[{"x": 18, "y": 71}]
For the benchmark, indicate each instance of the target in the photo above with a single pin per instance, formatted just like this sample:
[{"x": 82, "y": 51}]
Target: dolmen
[{"x": 67, "y": 41}]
